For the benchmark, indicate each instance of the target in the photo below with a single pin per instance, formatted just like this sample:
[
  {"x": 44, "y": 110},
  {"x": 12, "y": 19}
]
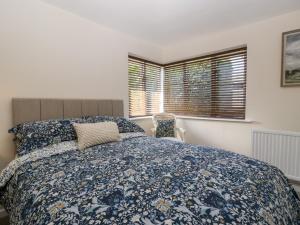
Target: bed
[{"x": 142, "y": 180}]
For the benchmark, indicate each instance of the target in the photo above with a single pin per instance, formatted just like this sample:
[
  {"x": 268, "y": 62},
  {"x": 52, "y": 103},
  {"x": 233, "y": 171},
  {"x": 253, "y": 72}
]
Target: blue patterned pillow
[
  {"x": 124, "y": 125},
  {"x": 33, "y": 135},
  {"x": 127, "y": 126},
  {"x": 165, "y": 128},
  {"x": 97, "y": 119}
]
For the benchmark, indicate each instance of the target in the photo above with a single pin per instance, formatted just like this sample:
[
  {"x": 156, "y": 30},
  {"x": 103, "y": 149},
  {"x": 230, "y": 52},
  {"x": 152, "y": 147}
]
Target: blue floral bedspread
[{"x": 144, "y": 180}]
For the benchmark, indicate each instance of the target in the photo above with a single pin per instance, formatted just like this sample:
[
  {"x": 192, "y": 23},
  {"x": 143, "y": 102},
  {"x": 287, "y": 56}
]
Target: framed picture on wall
[{"x": 290, "y": 59}]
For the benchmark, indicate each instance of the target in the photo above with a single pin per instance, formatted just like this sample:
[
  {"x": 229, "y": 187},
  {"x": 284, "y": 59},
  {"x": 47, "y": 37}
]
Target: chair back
[{"x": 163, "y": 116}]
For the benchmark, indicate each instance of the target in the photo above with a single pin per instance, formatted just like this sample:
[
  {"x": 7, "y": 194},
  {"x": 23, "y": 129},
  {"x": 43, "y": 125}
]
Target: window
[
  {"x": 145, "y": 87},
  {"x": 209, "y": 86}
]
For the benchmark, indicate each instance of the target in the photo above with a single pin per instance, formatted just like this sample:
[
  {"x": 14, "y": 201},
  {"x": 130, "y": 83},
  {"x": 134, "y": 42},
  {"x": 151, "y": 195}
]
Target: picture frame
[{"x": 290, "y": 70}]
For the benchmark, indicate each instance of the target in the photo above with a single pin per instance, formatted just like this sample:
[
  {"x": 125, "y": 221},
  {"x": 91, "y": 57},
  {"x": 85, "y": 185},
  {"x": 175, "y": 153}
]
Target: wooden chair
[{"x": 179, "y": 132}]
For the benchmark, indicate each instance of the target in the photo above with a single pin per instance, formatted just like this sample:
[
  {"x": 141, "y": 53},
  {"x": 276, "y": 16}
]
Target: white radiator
[{"x": 279, "y": 148}]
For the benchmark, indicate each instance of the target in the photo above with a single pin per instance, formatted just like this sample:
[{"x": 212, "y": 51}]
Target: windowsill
[
  {"x": 215, "y": 119},
  {"x": 200, "y": 118},
  {"x": 140, "y": 118}
]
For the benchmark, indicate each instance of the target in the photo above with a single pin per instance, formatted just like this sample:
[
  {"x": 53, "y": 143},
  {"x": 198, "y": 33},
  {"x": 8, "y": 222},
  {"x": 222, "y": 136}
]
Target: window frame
[
  {"x": 214, "y": 57},
  {"x": 214, "y": 105},
  {"x": 144, "y": 63}
]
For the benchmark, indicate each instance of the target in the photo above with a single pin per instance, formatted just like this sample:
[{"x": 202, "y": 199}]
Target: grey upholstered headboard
[{"x": 29, "y": 109}]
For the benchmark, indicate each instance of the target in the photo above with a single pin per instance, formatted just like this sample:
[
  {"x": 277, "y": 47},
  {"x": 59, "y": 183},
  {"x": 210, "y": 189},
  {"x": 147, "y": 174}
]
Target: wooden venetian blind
[
  {"x": 144, "y": 87},
  {"x": 208, "y": 86}
]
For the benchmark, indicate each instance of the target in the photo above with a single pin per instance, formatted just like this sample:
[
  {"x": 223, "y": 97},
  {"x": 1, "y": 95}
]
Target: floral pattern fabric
[
  {"x": 30, "y": 136},
  {"x": 125, "y": 125},
  {"x": 165, "y": 128},
  {"x": 145, "y": 180}
]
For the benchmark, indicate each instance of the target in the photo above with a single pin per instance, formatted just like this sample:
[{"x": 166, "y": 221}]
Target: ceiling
[{"x": 166, "y": 21}]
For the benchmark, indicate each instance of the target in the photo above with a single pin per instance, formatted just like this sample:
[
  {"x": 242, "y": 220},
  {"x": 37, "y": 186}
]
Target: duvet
[{"x": 144, "y": 180}]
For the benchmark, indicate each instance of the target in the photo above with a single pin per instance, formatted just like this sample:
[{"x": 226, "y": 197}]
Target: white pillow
[{"x": 90, "y": 134}]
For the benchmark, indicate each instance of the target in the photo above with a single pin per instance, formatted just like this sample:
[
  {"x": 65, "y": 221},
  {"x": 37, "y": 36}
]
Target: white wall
[
  {"x": 270, "y": 105},
  {"x": 48, "y": 52}
]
